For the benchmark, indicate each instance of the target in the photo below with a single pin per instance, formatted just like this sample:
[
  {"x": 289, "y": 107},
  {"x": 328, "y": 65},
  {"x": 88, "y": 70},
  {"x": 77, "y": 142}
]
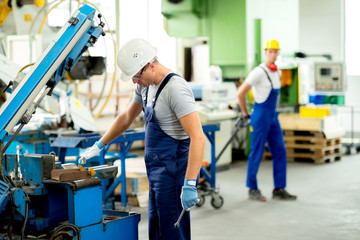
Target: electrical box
[{"x": 329, "y": 76}]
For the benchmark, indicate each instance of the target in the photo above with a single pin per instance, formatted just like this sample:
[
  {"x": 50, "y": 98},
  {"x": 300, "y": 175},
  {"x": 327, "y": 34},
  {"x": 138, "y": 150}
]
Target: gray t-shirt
[{"x": 175, "y": 101}]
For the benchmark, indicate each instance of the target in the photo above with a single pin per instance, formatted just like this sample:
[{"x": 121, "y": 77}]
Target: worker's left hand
[{"x": 188, "y": 195}]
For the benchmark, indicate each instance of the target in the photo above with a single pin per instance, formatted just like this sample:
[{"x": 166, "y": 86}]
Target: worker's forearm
[
  {"x": 196, "y": 154},
  {"x": 242, "y": 103},
  {"x": 117, "y": 128}
]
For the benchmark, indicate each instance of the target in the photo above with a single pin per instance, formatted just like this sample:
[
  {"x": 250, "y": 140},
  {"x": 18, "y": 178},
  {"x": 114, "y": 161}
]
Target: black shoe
[
  {"x": 282, "y": 194},
  {"x": 255, "y": 194}
]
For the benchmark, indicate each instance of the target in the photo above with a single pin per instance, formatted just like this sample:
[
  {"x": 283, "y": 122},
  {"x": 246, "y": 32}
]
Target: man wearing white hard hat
[
  {"x": 174, "y": 140},
  {"x": 265, "y": 82}
]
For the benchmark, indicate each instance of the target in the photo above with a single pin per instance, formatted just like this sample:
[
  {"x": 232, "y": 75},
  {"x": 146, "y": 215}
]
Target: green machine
[{"x": 223, "y": 22}]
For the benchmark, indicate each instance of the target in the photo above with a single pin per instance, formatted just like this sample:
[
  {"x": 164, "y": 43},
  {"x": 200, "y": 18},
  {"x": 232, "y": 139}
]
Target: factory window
[
  {"x": 352, "y": 37},
  {"x": 138, "y": 18},
  {"x": 143, "y": 19}
]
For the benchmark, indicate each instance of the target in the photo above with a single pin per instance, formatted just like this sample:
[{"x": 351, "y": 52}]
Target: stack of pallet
[
  {"x": 307, "y": 139},
  {"x": 310, "y": 146}
]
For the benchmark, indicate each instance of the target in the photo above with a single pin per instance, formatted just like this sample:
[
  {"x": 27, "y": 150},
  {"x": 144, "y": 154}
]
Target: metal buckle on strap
[{"x": 153, "y": 100}]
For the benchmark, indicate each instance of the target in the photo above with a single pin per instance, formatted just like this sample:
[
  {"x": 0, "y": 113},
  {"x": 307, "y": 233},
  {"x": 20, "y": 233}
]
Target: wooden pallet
[
  {"x": 307, "y": 158},
  {"x": 309, "y": 146},
  {"x": 291, "y": 140},
  {"x": 313, "y": 150},
  {"x": 325, "y": 159},
  {"x": 304, "y": 133}
]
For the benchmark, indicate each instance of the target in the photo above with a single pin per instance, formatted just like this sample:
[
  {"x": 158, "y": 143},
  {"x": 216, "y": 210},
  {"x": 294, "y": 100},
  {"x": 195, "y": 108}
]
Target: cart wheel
[
  {"x": 358, "y": 149},
  {"x": 201, "y": 202},
  {"x": 348, "y": 151},
  {"x": 217, "y": 203}
]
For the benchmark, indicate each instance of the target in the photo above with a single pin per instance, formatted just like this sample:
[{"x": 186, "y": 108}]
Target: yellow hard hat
[{"x": 272, "y": 44}]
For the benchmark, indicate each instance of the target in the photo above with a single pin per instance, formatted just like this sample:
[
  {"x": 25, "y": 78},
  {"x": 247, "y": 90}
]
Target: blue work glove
[
  {"x": 188, "y": 195},
  {"x": 91, "y": 152}
]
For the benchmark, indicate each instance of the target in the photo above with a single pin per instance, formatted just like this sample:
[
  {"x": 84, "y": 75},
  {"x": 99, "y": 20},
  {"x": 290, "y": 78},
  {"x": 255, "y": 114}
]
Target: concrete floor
[{"x": 328, "y": 205}]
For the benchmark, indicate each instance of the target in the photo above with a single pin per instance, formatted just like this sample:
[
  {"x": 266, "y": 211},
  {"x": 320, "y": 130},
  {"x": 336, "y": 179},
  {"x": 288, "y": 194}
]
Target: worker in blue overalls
[
  {"x": 264, "y": 80},
  {"x": 174, "y": 140}
]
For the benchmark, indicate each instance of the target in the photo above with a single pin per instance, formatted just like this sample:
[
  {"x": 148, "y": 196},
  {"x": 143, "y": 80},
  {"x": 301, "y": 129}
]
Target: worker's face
[
  {"x": 271, "y": 55},
  {"x": 141, "y": 77}
]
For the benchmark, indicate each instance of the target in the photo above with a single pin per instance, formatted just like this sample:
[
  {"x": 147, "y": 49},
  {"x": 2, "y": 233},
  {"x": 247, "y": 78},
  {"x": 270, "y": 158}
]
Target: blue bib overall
[
  {"x": 166, "y": 162},
  {"x": 266, "y": 128}
]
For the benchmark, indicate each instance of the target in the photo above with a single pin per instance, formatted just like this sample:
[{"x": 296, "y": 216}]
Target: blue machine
[
  {"x": 31, "y": 203},
  {"x": 125, "y": 141}
]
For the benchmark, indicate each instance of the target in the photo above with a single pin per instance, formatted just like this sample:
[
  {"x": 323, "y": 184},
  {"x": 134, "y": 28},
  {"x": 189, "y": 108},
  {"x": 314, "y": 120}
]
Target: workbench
[{"x": 125, "y": 142}]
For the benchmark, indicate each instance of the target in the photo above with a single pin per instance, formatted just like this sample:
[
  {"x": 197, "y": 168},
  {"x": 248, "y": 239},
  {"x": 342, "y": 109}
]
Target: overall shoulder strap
[
  {"x": 146, "y": 96},
  {"x": 267, "y": 74},
  {"x": 162, "y": 85}
]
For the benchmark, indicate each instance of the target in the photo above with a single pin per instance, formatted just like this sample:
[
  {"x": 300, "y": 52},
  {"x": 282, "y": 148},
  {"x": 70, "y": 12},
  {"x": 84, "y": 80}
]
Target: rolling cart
[
  {"x": 207, "y": 183},
  {"x": 351, "y": 142}
]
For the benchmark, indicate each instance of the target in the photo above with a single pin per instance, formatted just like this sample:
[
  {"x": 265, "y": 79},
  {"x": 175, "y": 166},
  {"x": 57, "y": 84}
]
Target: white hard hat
[{"x": 133, "y": 56}]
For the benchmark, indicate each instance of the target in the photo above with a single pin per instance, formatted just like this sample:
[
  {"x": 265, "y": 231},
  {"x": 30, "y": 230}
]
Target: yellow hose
[
  {"x": 47, "y": 15},
  {"x": 24, "y": 67}
]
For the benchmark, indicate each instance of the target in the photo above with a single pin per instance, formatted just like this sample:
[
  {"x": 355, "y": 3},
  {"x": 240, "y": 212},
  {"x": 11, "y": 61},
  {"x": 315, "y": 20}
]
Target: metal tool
[{"x": 177, "y": 224}]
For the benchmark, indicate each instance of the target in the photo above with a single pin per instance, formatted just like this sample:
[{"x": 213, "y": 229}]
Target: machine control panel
[{"x": 329, "y": 76}]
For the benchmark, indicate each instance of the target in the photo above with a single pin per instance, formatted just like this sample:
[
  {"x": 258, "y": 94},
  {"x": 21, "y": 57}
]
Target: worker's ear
[{"x": 152, "y": 66}]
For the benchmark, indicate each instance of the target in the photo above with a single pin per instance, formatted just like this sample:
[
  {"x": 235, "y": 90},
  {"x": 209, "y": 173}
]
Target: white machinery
[
  {"x": 320, "y": 78},
  {"x": 329, "y": 76},
  {"x": 8, "y": 70},
  {"x": 214, "y": 108},
  {"x": 215, "y": 101}
]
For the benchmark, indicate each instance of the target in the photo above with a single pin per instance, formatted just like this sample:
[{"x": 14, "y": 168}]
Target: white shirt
[{"x": 260, "y": 83}]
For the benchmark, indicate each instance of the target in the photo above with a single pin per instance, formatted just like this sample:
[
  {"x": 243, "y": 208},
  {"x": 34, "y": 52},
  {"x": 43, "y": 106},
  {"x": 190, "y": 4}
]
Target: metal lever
[
  {"x": 177, "y": 224},
  {"x": 8, "y": 86},
  {"x": 102, "y": 24}
]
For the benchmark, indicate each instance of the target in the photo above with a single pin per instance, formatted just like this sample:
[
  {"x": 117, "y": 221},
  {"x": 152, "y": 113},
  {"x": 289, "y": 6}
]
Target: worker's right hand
[
  {"x": 247, "y": 119},
  {"x": 242, "y": 121},
  {"x": 91, "y": 152},
  {"x": 188, "y": 195}
]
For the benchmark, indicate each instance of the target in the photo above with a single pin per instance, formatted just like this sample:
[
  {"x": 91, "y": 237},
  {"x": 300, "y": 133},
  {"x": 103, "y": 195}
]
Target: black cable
[
  {"x": 10, "y": 181},
  {"x": 26, "y": 216},
  {"x": 73, "y": 227},
  {"x": 10, "y": 225}
]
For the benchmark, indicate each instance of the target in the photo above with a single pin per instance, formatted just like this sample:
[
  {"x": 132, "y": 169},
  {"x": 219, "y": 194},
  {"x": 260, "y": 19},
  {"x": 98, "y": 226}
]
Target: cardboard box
[
  {"x": 140, "y": 199},
  {"x": 331, "y": 125},
  {"x": 135, "y": 183},
  {"x": 137, "y": 189}
]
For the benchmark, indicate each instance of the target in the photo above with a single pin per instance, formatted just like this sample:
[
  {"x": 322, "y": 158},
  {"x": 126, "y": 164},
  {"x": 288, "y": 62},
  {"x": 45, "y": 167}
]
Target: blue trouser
[
  {"x": 166, "y": 162},
  {"x": 265, "y": 127}
]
